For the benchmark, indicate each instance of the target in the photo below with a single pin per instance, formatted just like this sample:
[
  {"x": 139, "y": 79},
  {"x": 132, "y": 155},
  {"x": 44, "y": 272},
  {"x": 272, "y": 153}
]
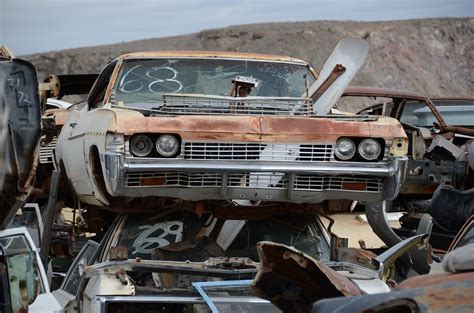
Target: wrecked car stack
[{"x": 205, "y": 176}]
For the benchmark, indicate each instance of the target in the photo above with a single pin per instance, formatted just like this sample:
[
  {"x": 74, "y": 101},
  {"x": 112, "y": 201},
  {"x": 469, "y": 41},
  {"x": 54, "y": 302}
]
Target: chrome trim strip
[
  {"x": 391, "y": 174},
  {"x": 323, "y": 168}
]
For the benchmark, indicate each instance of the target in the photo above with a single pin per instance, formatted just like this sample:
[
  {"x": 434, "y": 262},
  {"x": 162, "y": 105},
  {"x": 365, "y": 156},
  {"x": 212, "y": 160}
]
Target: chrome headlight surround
[
  {"x": 167, "y": 145},
  {"x": 114, "y": 142},
  {"x": 345, "y": 149},
  {"x": 141, "y": 145},
  {"x": 369, "y": 149}
]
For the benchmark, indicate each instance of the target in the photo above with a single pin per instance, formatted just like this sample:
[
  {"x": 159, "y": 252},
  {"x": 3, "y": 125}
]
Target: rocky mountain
[{"x": 430, "y": 56}]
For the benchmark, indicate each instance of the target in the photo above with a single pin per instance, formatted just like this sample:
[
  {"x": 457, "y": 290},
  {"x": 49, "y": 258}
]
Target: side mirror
[{"x": 384, "y": 262}]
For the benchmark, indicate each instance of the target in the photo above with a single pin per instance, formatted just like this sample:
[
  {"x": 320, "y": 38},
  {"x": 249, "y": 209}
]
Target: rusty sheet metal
[
  {"x": 292, "y": 280},
  {"x": 446, "y": 297},
  {"x": 213, "y": 55},
  {"x": 435, "y": 279},
  {"x": 357, "y": 91},
  {"x": 257, "y": 129},
  {"x": 111, "y": 84},
  {"x": 62, "y": 85},
  {"x": 365, "y": 91}
]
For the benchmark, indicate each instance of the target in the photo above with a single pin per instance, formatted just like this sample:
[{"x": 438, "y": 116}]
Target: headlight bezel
[
  {"x": 361, "y": 151},
  {"x": 148, "y": 142},
  {"x": 339, "y": 155},
  {"x": 167, "y": 154},
  {"x": 357, "y": 156},
  {"x": 154, "y": 140}
]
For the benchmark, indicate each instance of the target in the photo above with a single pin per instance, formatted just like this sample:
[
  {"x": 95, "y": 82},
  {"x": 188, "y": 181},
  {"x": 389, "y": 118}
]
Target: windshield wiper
[{"x": 215, "y": 267}]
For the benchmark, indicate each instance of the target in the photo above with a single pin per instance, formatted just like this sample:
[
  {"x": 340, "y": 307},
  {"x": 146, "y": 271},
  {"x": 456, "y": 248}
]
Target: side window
[
  {"x": 73, "y": 277},
  {"x": 417, "y": 113},
  {"x": 97, "y": 95},
  {"x": 29, "y": 216}
]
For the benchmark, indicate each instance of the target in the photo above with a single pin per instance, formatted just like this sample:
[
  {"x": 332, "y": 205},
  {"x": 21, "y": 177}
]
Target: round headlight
[
  {"x": 369, "y": 149},
  {"x": 345, "y": 149},
  {"x": 167, "y": 145},
  {"x": 141, "y": 145}
]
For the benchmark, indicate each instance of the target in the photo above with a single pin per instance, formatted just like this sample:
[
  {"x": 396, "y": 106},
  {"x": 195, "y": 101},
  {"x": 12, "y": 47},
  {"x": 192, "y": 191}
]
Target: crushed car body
[
  {"x": 293, "y": 280},
  {"x": 155, "y": 259},
  {"x": 438, "y": 150},
  {"x": 440, "y": 171},
  {"x": 447, "y": 288}
]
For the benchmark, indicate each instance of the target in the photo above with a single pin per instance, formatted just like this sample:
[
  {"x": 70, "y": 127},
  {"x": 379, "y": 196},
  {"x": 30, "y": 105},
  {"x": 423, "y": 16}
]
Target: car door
[
  {"x": 67, "y": 294},
  {"x": 23, "y": 281},
  {"x": 29, "y": 216}
]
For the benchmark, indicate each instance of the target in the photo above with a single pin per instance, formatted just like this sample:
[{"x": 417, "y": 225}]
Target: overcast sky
[{"x": 30, "y": 26}]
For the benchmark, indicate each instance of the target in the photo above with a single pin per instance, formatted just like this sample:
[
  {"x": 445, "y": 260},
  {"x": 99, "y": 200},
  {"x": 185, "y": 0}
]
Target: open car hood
[{"x": 337, "y": 72}]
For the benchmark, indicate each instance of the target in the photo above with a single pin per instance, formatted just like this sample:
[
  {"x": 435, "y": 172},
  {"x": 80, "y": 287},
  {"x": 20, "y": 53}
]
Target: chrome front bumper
[{"x": 299, "y": 182}]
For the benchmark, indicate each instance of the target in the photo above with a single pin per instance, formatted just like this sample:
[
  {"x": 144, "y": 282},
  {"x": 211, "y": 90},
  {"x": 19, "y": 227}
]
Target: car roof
[
  {"x": 212, "y": 55},
  {"x": 382, "y": 92}
]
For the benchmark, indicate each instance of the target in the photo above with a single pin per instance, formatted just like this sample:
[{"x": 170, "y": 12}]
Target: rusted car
[
  {"x": 440, "y": 170},
  {"x": 182, "y": 262},
  {"x": 448, "y": 288},
  {"x": 247, "y": 128},
  {"x": 295, "y": 282},
  {"x": 440, "y": 137}
]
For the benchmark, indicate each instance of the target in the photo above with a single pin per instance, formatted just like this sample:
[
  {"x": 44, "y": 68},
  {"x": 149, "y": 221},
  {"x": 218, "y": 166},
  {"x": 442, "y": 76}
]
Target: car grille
[
  {"x": 46, "y": 150},
  {"x": 311, "y": 182},
  {"x": 257, "y": 151},
  {"x": 252, "y": 181},
  {"x": 208, "y": 105}
]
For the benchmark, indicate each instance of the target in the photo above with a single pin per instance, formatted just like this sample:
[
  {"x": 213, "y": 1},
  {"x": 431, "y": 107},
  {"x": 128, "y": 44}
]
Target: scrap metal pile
[{"x": 201, "y": 182}]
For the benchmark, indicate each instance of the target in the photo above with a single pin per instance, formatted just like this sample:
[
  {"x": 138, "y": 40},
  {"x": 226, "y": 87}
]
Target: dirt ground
[{"x": 347, "y": 225}]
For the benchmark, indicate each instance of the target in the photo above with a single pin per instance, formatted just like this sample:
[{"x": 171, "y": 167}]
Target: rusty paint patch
[
  {"x": 292, "y": 280},
  {"x": 211, "y": 55},
  {"x": 434, "y": 279},
  {"x": 253, "y": 128}
]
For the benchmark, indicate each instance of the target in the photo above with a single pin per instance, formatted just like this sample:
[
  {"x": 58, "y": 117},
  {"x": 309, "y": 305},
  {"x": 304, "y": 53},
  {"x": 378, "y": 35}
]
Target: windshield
[
  {"x": 185, "y": 236},
  {"x": 147, "y": 80}
]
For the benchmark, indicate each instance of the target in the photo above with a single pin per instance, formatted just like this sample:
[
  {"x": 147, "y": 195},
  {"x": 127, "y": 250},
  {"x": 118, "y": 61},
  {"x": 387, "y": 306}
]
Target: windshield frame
[
  {"x": 121, "y": 221},
  {"x": 121, "y": 63}
]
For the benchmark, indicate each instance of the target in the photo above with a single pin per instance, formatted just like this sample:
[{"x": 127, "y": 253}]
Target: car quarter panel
[{"x": 76, "y": 149}]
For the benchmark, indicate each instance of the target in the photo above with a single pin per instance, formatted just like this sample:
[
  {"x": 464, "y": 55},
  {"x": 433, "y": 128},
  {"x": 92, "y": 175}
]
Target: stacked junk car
[{"x": 197, "y": 181}]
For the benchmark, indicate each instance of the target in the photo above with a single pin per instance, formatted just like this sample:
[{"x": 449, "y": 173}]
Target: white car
[{"x": 226, "y": 126}]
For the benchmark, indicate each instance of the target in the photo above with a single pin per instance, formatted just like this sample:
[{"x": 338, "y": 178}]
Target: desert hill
[{"x": 431, "y": 56}]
